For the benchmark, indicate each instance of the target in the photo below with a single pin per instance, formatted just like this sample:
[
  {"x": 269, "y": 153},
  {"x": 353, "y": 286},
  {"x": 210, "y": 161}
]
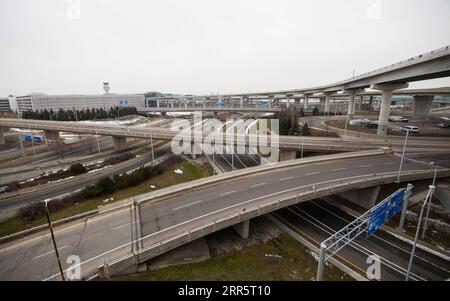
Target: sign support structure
[{"x": 369, "y": 222}]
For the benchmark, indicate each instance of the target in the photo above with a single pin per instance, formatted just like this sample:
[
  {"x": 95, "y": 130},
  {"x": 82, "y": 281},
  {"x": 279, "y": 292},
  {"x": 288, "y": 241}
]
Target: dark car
[{"x": 371, "y": 126}]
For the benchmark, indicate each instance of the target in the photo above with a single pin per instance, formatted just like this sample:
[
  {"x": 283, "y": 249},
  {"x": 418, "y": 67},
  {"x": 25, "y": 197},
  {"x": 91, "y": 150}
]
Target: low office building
[
  {"x": 4, "y": 105},
  {"x": 78, "y": 102}
]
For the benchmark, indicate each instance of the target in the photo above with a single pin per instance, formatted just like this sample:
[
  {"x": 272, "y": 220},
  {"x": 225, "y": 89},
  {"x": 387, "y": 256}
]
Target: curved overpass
[{"x": 127, "y": 234}]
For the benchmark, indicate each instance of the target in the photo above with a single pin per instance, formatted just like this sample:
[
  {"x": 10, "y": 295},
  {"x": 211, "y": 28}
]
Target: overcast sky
[{"x": 205, "y": 46}]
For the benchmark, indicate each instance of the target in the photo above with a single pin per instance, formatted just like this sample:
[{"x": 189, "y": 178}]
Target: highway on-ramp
[{"x": 108, "y": 236}]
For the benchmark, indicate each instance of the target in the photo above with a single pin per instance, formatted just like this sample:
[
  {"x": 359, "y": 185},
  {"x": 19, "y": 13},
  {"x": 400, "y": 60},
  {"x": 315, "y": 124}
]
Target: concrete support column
[
  {"x": 193, "y": 102},
  {"x": 361, "y": 99},
  {"x": 306, "y": 102},
  {"x": 385, "y": 107},
  {"x": 242, "y": 102},
  {"x": 365, "y": 198},
  {"x": 422, "y": 106},
  {"x": 157, "y": 103},
  {"x": 287, "y": 155},
  {"x": 2, "y": 136},
  {"x": 327, "y": 104},
  {"x": 171, "y": 103},
  {"x": 351, "y": 104},
  {"x": 119, "y": 143},
  {"x": 270, "y": 102},
  {"x": 370, "y": 103},
  {"x": 186, "y": 103},
  {"x": 52, "y": 135},
  {"x": 243, "y": 229}
]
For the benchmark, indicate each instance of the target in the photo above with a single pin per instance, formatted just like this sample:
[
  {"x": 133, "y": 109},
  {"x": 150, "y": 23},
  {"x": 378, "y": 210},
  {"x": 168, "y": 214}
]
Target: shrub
[{"x": 77, "y": 169}]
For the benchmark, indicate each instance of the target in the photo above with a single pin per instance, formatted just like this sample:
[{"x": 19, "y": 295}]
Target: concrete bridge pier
[
  {"x": 306, "y": 102},
  {"x": 119, "y": 143},
  {"x": 351, "y": 104},
  {"x": 2, "y": 135},
  {"x": 370, "y": 103},
  {"x": 287, "y": 155},
  {"x": 365, "y": 198},
  {"x": 327, "y": 104},
  {"x": 422, "y": 106},
  {"x": 52, "y": 135},
  {"x": 385, "y": 107},
  {"x": 157, "y": 103},
  {"x": 243, "y": 229},
  {"x": 270, "y": 102}
]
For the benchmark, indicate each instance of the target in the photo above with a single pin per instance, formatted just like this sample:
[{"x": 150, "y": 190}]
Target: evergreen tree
[{"x": 306, "y": 131}]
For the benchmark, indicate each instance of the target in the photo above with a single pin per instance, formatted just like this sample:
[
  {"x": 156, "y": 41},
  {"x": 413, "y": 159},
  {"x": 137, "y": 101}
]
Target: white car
[{"x": 411, "y": 129}]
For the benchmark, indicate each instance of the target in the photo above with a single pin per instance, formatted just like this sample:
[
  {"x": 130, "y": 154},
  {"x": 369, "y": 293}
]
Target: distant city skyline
[{"x": 209, "y": 46}]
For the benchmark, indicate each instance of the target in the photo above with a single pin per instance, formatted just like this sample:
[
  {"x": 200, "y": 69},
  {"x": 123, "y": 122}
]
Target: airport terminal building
[{"x": 78, "y": 102}]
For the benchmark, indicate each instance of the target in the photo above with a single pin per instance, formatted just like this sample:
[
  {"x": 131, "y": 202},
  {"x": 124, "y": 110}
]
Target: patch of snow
[
  {"x": 179, "y": 171},
  {"x": 152, "y": 186},
  {"x": 273, "y": 256}
]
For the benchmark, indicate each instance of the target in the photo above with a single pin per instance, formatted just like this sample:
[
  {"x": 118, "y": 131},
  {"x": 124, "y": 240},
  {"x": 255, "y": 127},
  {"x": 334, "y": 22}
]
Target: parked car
[
  {"x": 443, "y": 125},
  {"x": 411, "y": 129},
  {"x": 371, "y": 126},
  {"x": 398, "y": 119}
]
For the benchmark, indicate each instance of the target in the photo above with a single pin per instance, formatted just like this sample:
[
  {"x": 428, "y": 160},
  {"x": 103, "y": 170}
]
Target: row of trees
[
  {"x": 289, "y": 123},
  {"x": 288, "y": 120},
  {"x": 103, "y": 186},
  {"x": 78, "y": 115}
]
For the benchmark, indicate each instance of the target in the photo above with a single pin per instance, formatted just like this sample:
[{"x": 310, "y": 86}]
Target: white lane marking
[
  {"x": 313, "y": 173},
  {"x": 364, "y": 166},
  {"x": 50, "y": 252},
  {"x": 339, "y": 169},
  {"x": 284, "y": 179},
  {"x": 220, "y": 210},
  {"x": 229, "y": 192},
  {"x": 389, "y": 163},
  {"x": 187, "y": 205},
  {"x": 257, "y": 185}
]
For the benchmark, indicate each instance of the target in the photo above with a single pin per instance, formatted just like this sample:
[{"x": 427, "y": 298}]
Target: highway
[
  {"x": 14, "y": 200},
  {"x": 108, "y": 236},
  {"x": 316, "y": 220}
]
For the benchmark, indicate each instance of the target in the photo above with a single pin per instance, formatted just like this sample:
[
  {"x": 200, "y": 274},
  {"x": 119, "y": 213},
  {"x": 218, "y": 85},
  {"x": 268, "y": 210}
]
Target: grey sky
[{"x": 204, "y": 46}]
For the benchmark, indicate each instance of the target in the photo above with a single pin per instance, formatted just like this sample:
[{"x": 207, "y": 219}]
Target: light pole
[
  {"x": 53, "y": 239},
  {"x": 403, "y": 156},
  {"x": 425, "y": 223},
  {"x": 98, "y": 142},
  {"x": 151, "y": 142},
  {"x": 428, "y": 197}
]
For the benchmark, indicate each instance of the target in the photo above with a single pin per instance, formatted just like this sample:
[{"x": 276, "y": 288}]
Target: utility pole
[
  {"x": 151, "y": 141},
  {"x": 403, "y": 156},
  {"x": 425, "y": 224},
  {"x": 53, "y": 239},
  {"x": 428, "y": 197}
]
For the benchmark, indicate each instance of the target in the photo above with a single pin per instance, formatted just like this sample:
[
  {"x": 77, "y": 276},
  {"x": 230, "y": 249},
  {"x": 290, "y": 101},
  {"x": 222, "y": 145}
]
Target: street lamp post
[
  {"x": 403, "y": 156},
  {"x": 425, "y": 223},
  {"x": 151, "y": 142},
  {"x": 53, "y": 239},
  {"x": 98, "y": 142},
  {"x": 427, "y": 198}
]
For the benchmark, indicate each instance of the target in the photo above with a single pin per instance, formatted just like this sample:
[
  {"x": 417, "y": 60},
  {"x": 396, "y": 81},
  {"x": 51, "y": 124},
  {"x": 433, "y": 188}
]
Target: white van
[{"x": 411, "y": 129}]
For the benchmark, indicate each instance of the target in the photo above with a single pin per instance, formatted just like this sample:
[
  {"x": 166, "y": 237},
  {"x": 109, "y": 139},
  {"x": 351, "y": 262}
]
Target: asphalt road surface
[
  {"x": 108, "y": 236},
  {"x": 316, "y": 220}
]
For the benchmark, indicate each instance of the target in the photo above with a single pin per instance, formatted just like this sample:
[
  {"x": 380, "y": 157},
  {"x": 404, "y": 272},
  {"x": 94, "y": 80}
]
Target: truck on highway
[
  {"x": 32, "y": 138},
  {"x": 398, "y": 119}
]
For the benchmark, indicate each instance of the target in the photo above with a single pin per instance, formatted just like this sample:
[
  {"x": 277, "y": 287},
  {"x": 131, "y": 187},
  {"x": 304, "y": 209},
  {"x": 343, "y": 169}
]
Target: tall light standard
[
  {"x": 403, "y": 156},
  {"x": 151, "y": 141},
  {"x": 427, "y": 198},
  {"x": 53, "y": 239},
  {"x": 425, "y": 223},
  {"x": 98, "y": 142}
]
